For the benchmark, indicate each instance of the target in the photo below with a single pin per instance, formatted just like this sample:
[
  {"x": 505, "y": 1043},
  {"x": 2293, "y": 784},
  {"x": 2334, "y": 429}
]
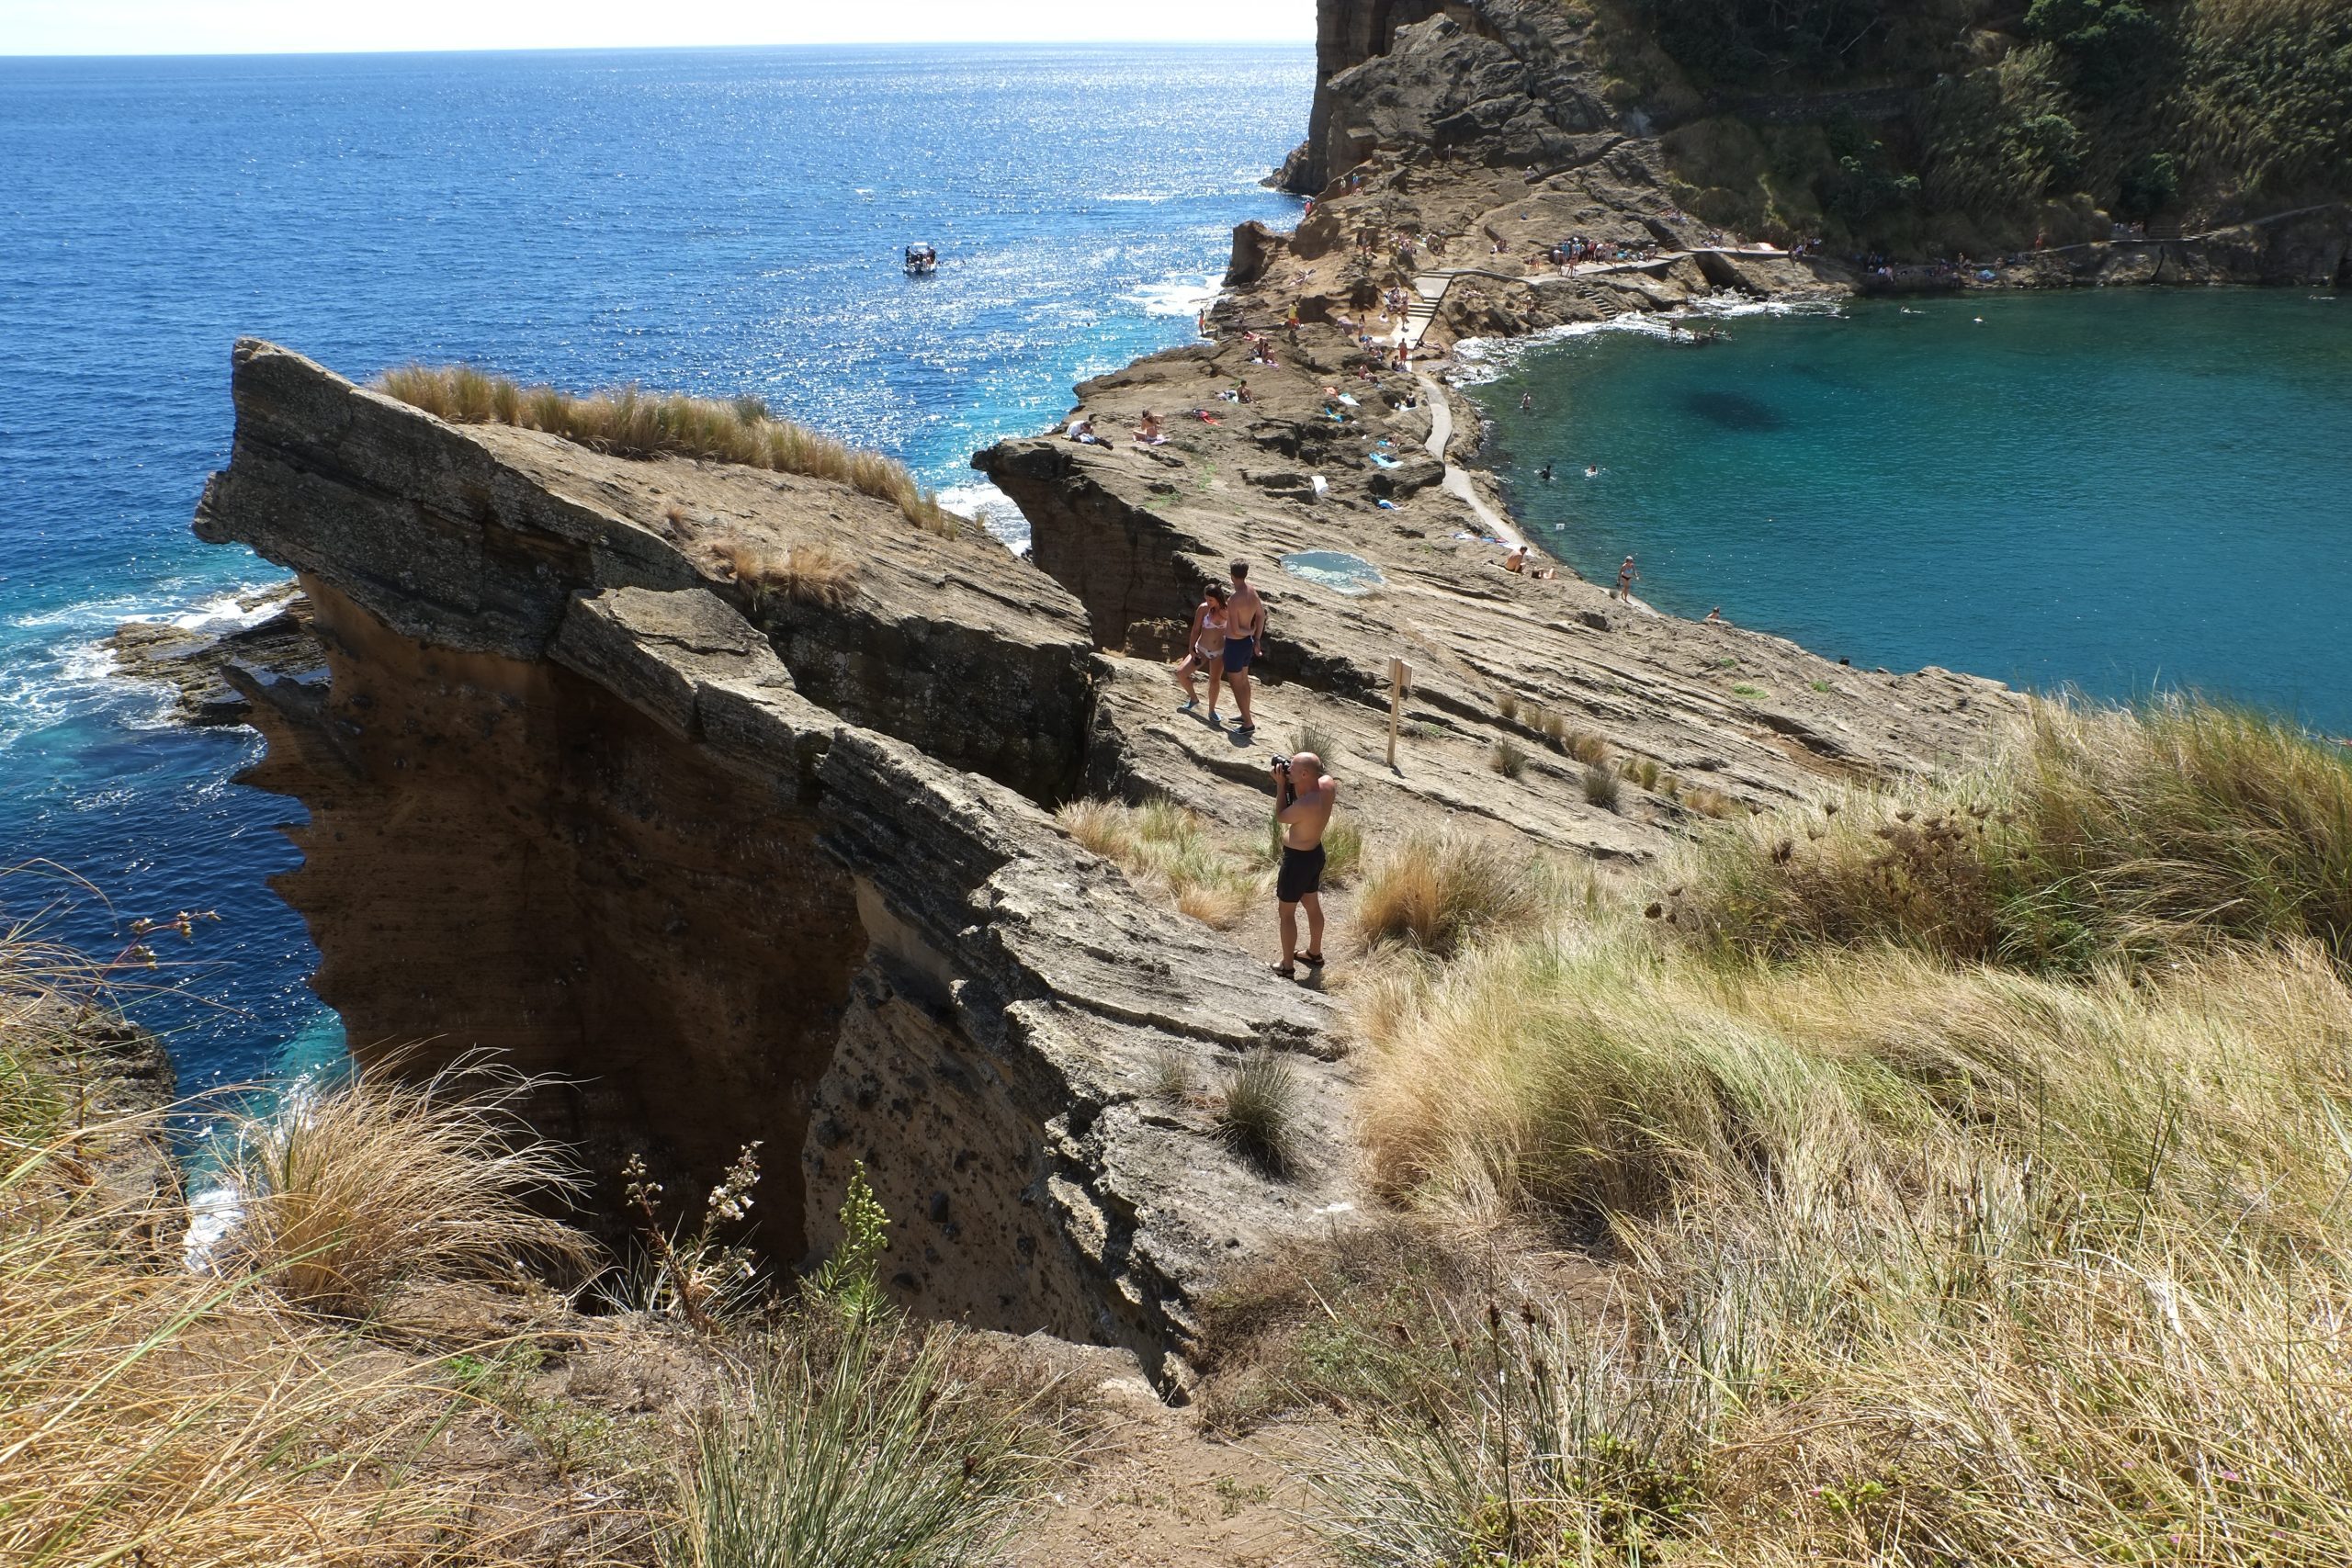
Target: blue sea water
[
  {"x": 714, "y": 221},
  {"x": 2122, "y": 492}
]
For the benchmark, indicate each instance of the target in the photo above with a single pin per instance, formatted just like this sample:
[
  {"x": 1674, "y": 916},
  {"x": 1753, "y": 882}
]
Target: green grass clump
[
  {"x": 630, "y": 423},
  {"x": 2142, "y": 836},
  {"x": 1259, "y": 1109},
  {"x": 853, "y": 1444},
  {"x": 1507, "y": 759}
]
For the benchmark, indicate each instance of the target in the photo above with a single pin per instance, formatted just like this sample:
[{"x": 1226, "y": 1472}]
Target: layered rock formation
[
  {"x": 735, "y": 865},
  {"x": 1553, "y": 671},
  {"x": 194, "y": 661}
]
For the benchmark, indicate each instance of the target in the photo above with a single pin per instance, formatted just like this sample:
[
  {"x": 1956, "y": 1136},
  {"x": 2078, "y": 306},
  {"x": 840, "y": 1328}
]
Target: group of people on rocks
[{"x": 1228, "y": 632}]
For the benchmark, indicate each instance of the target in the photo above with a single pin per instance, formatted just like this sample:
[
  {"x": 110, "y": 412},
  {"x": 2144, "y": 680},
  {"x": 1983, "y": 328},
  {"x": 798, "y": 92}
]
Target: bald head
[{"x": 1306, "y": 763}]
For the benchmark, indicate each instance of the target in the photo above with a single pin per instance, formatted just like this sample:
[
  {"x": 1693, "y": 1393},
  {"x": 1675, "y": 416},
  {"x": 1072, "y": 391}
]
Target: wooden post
[{"x": 1400, "y": 676}]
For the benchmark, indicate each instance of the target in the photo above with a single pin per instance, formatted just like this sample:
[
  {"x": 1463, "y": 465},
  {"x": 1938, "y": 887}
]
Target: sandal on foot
[
  {"x": 1312, "y": 960},
  {"x": 1285, "y": 970},
  {"x": 1188, "y": 704}
]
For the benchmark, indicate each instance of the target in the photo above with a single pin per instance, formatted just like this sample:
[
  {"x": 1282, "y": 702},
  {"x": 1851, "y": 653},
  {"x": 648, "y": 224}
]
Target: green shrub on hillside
[
  {"x": 2150, "y": 186},
  {"x": 2018, "y": 124},
  {"x": 2111, "y": 45},
  {"x": 2267, "y": 86}
]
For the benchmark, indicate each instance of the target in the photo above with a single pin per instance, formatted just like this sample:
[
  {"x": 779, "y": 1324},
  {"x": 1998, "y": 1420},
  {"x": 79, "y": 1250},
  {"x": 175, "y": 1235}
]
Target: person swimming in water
[
  {"x": 1545, "y": 473},
  {"x": 1593, "y": 470}
]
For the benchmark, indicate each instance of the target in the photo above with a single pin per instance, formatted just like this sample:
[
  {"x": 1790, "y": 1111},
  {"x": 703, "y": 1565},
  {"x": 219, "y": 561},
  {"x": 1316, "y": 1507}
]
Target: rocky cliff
[
  {"x": 1936, "y": 129},
  {"x": 731, "y": 865}
]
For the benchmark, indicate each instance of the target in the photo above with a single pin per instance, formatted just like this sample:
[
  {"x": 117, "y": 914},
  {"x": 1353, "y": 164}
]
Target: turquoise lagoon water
[
  {"x": 719, "y": 222},
  {"x": 2121, "y": 492}
]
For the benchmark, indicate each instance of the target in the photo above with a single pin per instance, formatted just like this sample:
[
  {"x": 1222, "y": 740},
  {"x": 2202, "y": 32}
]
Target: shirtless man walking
[
  {"x": 1304, "y": 796},
  {"x": 1245, "y": 625}
]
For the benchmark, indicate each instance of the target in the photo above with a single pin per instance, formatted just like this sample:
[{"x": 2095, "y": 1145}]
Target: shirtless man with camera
[{"x": 1304, "y": 796}]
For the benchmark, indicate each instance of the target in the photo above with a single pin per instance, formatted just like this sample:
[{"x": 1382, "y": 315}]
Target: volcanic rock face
[{"x": 570, "y": 803}]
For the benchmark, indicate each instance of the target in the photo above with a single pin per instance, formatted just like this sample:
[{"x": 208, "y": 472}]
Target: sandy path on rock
[
  {"x": 1456, "y": 483},
  {"x": 1159, "y": 1494}
]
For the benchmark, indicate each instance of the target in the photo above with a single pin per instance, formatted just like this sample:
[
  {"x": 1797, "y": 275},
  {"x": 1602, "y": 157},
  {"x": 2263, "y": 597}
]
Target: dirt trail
[{"x": 1160, "y": 1493}]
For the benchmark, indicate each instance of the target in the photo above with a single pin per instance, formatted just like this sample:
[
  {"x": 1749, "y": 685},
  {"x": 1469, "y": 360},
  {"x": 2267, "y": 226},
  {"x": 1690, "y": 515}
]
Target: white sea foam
[
  {"x": 996, "y": 511},
  {"x": 108, "y": 613},
  {"x": 213, "y": 1213},
  {"x": 87, "y": 662},
  {"x": 248, "y": 605},
  {"x": 1479, "y": 360},
  {"x": 1181, "y": 297},
  {"x": 75, "y": 673}
]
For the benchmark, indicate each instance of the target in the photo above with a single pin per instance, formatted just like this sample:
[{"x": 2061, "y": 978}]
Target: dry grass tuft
[
  {"x": 809, "y": 572},
  {"x": 2101, "y": 834},
  {"x": 1439, "y": 891},
  {"x": 1586, "y": 747},
  {"x": 630, "y": 423},
  {"x": 1507, "y": 759},
  {"x": 1603, "y": 789},
  {"x": 352, "y": 1190},
  {"x": 1174, "y": 848}
]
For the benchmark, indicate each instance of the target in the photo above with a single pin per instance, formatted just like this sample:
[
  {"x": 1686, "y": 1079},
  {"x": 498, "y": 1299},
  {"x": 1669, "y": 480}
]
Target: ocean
[
  {"x": 715, "y": 221},
  {"x": 2121, "y": 491}
]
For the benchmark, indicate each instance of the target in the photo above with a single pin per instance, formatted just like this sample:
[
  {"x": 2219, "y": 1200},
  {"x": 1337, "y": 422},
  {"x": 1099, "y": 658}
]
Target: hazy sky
[{"x": 240, "y": 26}]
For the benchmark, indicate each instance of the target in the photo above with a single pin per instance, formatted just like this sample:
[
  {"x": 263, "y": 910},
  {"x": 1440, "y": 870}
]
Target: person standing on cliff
[
  {"x": 1304, "y": 796},
  {"x": 1245, "y": 625},
  {"x": 1625, "y": 575}
]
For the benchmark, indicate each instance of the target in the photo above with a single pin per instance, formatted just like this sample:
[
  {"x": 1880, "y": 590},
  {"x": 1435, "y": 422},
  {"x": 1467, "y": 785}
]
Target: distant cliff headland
[{"x": 1952, "y": 127}]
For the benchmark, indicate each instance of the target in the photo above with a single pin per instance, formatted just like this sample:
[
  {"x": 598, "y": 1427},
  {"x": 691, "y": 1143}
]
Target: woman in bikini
[{"x": 1204, "y": 649}]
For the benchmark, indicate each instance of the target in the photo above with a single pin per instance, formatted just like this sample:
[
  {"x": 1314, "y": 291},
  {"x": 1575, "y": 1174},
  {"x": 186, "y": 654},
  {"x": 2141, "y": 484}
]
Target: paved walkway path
[{"x": 1456, "y": 483}]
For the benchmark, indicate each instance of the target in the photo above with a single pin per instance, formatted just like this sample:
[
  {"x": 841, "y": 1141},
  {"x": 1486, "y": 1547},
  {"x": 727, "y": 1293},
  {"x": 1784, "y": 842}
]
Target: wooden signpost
[{"x": 1400, "y": 678}]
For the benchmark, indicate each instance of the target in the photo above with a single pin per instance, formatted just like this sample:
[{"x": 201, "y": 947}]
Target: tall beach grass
[
  {"x": 1980, "y": 1198},
  {"x": 631, "y": 422},
  {"x": 152, "y": 1411},
  {"x": 2100, "y": 834}
]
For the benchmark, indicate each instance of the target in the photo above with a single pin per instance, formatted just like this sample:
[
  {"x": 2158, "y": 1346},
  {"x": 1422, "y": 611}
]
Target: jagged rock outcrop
[
  {"x": 573, "y": 798},
  {"x": 194, "y": 660}
]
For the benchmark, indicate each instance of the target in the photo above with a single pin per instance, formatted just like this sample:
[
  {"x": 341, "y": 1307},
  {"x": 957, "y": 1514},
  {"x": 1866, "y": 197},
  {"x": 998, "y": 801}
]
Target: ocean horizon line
[{"x": 877, "y": 46}]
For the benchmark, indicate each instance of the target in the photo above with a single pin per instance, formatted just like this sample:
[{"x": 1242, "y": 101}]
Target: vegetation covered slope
[
  {"x": 1951, "y": 126},
  {"x": 1970, "y": 1167}
]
